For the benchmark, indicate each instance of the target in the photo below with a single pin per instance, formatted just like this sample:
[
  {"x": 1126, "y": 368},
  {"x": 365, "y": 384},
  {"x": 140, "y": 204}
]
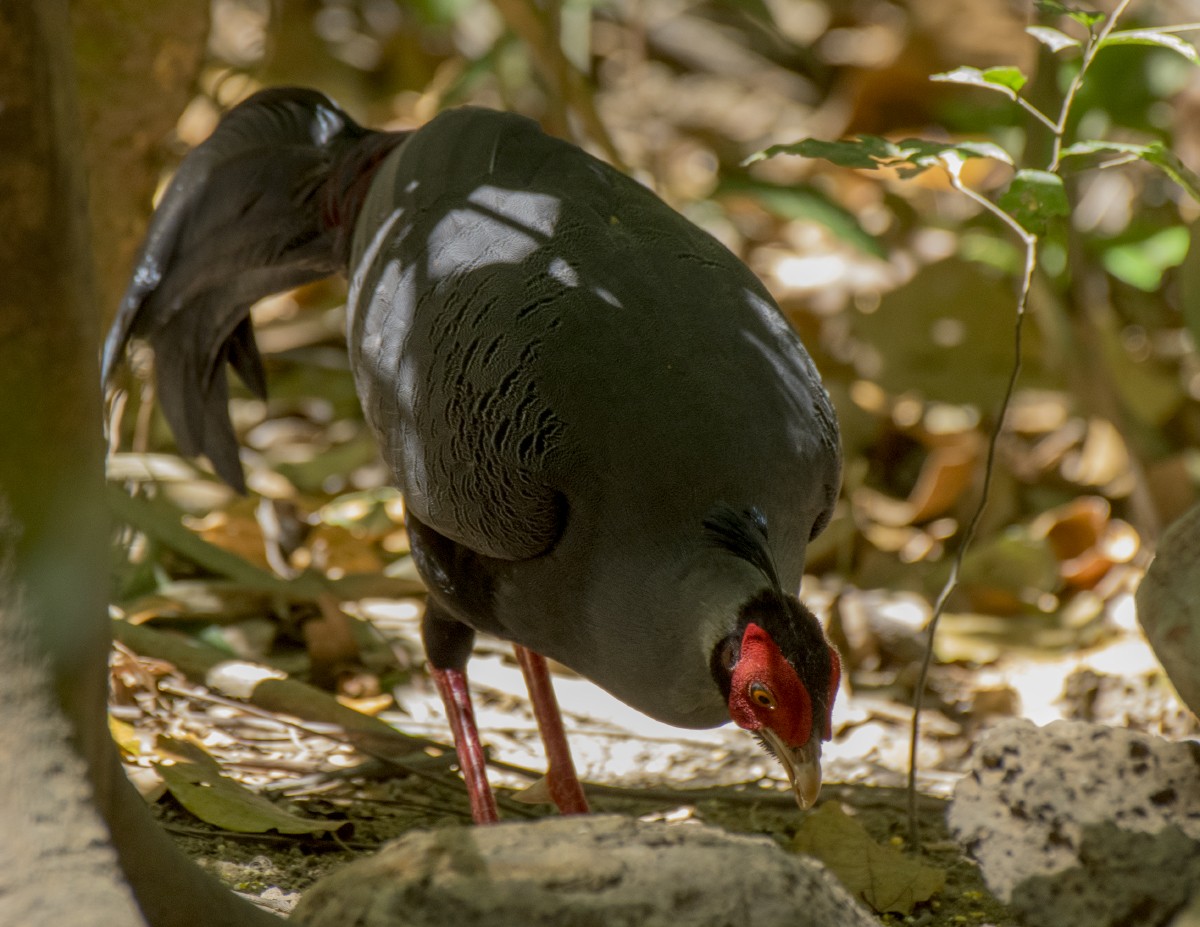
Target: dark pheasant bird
[{"x": 613, "y": 449}]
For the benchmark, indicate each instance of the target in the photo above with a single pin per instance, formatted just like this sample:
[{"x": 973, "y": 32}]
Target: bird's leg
[
  {"x": 452, "y": 686},
  {"x": 564, "y": 785},
  {"x": 448, "y": 647}
]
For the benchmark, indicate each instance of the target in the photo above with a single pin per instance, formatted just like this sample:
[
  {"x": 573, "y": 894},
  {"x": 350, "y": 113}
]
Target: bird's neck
[{"x": 349, "y": 181}]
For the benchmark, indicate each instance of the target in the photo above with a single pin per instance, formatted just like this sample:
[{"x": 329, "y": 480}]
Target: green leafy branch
[
  {"x": 1009, "y": 81},
  {"x": 1034, "y": 198},
  {"x": 1155, "y": 153},
  {"x": 909, "y": 157}
]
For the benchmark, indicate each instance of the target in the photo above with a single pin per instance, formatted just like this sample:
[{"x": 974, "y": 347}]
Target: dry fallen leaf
[
  {"x": 1101, "y": 461},
  {"x": 1086, "y": 539},
  {"x": 125, "y": 735},
  {"x": 536, "y": 793},
  {"x": 945, "y": 473},
  {"x": 882, "y": 877},
  {"x": 234, "y": 529},
  {"x": 339, "y": 551}
]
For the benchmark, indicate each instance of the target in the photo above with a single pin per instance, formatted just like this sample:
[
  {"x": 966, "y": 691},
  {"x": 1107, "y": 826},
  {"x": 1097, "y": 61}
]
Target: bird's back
[{"x": 530, "y": 323}]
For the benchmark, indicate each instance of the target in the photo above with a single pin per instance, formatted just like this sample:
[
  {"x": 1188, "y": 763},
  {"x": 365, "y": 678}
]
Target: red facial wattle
[
  {"x": 768, "y": 697},
  {"x": 761, "y": 662},
  {"x": 835, "y": 680}
]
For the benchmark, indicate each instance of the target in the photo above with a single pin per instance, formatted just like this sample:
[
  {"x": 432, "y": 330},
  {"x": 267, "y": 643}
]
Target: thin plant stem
[
  {"x": 1030, "y": 241},
  {"x": 1089, "y": 54},
  {"x": 1059, "y": 128},
  {"x": 1035, "y": 112}
]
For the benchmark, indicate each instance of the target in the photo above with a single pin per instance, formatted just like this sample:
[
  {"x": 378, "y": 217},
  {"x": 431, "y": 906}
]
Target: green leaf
[
  {"x": 195, "y": 780},
  {"x": 855, "y": 153},
  {"x": 1087, "y": 18},
  {"x": 1168, "y": 162},
  {"x": 161, "y": 522},
  {"x": 1055, "y": 8},
  {"x": 1142, "y": 263},
  {"x": 924, "y": 153},
  {"x": 883, "y": 877},
  {"x": 1155, "y": 153},
  {"x": 1034, "y": 198},
  {"x": 1053, "y": 39},
  {"x": 1100, "y": 146},
  {"x": 1007, "y": 80},
  {"x": 1153, "y": 37},
  {"x": 984, "y": 150},
  {"x": 909, "y": 156},
  {"x": 803, "y": 202},
  {"x": 1006, "y": 76}
]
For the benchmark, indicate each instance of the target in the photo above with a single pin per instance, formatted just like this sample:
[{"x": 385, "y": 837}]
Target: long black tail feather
[{"x": 266, "y": 203}]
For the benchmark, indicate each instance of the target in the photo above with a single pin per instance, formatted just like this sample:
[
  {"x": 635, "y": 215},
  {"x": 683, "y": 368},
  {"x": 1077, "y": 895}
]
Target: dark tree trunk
[
  {"x": 57, "y": 762},
  {"x": 56, "y": 865}
]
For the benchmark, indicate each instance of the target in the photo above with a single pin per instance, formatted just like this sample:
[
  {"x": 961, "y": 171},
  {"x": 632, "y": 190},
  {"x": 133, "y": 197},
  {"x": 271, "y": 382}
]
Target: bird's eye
[
  {"x": 728, "y": 655},
  {"x": 762, "y": 696}
]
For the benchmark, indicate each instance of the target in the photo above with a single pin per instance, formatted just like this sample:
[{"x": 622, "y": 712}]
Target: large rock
[
  {"x": 1077, "y": 823},
  {"x": 1169, "y": 609},
  {"x": 594, "y": 871}
]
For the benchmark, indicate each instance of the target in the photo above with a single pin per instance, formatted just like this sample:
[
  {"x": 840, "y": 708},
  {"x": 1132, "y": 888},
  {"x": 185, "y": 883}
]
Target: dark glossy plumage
[{"x": 568, "y": 380}]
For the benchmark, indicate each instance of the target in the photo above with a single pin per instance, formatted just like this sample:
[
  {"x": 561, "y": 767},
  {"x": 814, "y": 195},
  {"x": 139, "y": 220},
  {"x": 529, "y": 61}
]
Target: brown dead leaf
[
  {"x": 371, "y": 705},
  {"x": 335, "y": 549},
  {"x": 1086, "y": 540},
  {"x": 329, "y": 639},
  {"x": 536, "y": 793},
  {"x": 945, "y": 473},
  {"x": 1038, "y": 412},
  {"x": 882, "y": 877},
  {"x": 236, "y": 530},
  {"x": 1101, "y": 461}
]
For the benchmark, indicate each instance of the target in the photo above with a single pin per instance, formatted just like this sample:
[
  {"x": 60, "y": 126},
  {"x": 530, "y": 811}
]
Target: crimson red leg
[
  {"x": 564, "y": 785},
  {"x": 452, "y": 687}
]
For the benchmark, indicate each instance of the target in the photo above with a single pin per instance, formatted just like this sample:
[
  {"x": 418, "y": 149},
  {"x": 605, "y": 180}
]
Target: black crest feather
[{"x": 744, "y": 534}]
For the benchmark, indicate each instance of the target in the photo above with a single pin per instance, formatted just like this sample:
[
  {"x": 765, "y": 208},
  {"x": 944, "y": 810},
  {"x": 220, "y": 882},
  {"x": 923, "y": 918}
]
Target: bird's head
[{"x": 777, "y": 669}]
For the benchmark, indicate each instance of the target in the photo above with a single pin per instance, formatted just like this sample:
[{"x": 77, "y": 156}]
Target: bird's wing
[{"x": 445, "y": 333}]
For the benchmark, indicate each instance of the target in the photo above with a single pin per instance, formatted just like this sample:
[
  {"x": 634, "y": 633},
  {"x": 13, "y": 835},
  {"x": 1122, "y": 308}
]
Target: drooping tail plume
[{"x": 268, "y": 202}]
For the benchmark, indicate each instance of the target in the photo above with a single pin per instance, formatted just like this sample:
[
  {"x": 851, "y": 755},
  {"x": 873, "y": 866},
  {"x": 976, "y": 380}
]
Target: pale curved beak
[{"x": 802, "y": 764}]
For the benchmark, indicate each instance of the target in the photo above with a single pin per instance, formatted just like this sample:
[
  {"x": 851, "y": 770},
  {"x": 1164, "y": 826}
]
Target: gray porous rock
[
  {"x": 1169, "y": 609},
  {"x": 1076, "y": 823},
  {"x": 593, "y": 871}
]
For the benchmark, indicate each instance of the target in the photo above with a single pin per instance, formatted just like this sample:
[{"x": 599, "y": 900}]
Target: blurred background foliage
[{"x": 903, "y": 290}]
